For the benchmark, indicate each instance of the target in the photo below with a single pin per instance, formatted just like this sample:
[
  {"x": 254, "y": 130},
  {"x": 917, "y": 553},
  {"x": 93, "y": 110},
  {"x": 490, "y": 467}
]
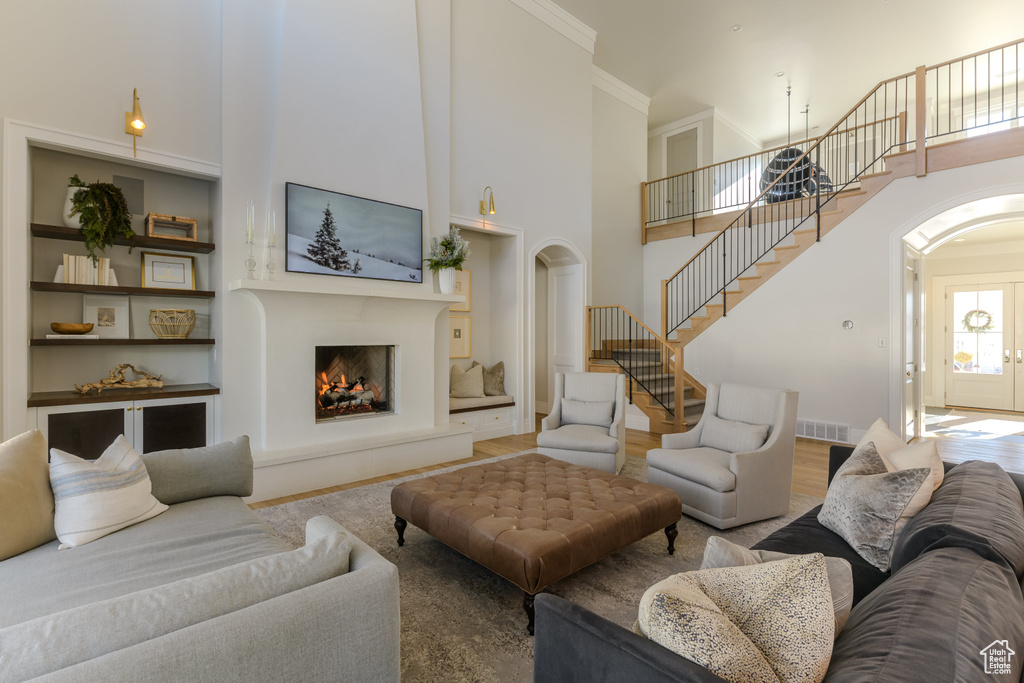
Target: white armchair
[
  {"x": 587, "y": 424},
  {"x": 736, "y": 465}
]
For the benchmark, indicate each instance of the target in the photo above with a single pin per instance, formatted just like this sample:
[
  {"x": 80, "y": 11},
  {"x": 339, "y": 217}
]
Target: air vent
[{"x": 823, "y": 431}]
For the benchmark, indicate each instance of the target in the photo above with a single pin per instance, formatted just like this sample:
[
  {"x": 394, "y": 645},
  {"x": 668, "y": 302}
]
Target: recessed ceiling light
[
  {"x": 959, "y": 239},
  {"x": 780, "y": 74},
  {"x": 737, "y": 28}
]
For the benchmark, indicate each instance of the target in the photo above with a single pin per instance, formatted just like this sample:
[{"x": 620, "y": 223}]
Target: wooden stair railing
[{"x": 651, "y": 363}]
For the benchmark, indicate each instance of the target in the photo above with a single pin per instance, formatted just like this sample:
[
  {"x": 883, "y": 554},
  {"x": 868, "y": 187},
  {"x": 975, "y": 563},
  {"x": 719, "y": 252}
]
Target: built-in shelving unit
[{"x": 59, "y": 232}]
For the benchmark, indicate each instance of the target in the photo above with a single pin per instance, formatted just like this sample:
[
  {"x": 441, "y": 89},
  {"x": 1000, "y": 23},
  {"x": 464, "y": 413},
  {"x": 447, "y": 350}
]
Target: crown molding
[
  {"x": 561, "y": 21},
  {"x": 620, "y": 91}
]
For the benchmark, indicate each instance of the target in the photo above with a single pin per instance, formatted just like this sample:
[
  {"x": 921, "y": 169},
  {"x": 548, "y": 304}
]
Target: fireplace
[{"x": 354, "y": 381}]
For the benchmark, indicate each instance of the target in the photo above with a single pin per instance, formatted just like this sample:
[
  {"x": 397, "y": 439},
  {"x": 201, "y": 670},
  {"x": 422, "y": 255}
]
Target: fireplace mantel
[{"x": 331, "y": 287}]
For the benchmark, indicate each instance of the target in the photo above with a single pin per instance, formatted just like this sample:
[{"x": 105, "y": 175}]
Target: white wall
[
  {"x": 730, "y": 142},
  {"x": 521, "y": 113},
  {"x": 789, "y": 333},
  {"x": 620, "y": 161}
]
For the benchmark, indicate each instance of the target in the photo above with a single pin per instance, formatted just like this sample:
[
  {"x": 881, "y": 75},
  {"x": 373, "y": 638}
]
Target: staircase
[{"x": 887, "y": 135}]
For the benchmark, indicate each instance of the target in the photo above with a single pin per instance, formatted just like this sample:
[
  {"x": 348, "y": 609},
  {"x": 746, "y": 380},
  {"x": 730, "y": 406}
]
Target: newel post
[{"x": 680, "y": 422}]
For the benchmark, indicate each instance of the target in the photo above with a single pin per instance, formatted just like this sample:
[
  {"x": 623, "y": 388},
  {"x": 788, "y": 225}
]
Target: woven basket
[{"x": 172, "y": 323}]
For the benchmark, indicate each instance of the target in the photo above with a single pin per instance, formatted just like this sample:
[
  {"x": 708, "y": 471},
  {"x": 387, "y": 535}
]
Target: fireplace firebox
[{"x": 354, "y": 381}]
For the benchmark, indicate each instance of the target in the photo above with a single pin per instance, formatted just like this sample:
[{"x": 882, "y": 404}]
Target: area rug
[{"x": 461, "y": 622}]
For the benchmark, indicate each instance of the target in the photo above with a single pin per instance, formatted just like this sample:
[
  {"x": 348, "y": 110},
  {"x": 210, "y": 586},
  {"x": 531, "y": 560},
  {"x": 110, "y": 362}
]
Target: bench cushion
[{"x": 532, "y": 519}]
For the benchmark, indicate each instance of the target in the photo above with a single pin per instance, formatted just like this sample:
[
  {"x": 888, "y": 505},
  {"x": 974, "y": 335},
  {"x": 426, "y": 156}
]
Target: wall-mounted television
[{"x": 330, "y": 233}]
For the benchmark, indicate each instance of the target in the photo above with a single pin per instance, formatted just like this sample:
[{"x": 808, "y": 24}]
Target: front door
[{"x": 979, "y": 334}]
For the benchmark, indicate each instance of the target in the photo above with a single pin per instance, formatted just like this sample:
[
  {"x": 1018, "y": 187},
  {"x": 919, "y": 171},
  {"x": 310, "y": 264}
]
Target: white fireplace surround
[{"x": 296, "y": 452}]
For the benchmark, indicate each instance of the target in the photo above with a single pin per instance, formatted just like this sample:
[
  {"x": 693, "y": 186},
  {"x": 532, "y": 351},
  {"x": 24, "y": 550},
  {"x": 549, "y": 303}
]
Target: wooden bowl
[{"x": 71, "y": 328}]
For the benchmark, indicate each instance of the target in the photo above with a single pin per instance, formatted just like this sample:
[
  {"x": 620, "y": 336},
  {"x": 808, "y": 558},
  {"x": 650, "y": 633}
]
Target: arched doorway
[
  {"x": 557, "y": 284},
  {"x": 963, "y": 314}
]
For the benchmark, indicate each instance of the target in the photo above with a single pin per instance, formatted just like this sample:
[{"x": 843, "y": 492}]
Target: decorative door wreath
[{"x": 978, "y": 321}]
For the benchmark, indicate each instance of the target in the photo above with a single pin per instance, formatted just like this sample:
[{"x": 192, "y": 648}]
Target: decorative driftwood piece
[{"x": 117, "y": 380}]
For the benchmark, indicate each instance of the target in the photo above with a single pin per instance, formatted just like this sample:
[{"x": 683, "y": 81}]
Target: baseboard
[{"x": 493, "y": 432}]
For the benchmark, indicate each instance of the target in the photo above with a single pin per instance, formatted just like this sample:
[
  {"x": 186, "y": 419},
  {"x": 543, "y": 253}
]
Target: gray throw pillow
[
  {"x": 494, "y": 379},
  {"x": 731, "y": 436},
  {"x": 597, "y": 413},
  {"x": 182, "y": 474},
  {"x": 468, "y": 384},
  {"x": 720, "y": 553},
  {"x": 865, "y": 502}
]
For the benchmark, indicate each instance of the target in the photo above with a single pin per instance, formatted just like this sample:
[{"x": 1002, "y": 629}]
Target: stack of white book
[{"x": 83, "y": 270}]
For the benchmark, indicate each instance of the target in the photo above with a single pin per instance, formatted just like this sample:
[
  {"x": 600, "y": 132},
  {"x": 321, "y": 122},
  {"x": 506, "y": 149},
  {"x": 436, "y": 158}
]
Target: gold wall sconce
[
  {"x": 487, "y": 203},
  {"x": 134, "y": 124}
]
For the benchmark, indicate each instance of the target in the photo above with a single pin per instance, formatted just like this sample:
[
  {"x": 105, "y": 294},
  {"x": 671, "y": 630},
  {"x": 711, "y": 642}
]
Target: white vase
[
  {"x": 446, "y": 278},
  {"x": 70, "y": 222}
]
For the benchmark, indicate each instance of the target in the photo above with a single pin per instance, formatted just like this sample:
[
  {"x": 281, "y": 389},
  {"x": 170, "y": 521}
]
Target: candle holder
[
  {"x": 250, "y": 261},
  {"x": 271, "y": 242}
]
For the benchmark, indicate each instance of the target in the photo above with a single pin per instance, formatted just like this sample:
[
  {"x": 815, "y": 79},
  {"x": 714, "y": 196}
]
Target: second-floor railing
[{"x": 895, "y": 116}]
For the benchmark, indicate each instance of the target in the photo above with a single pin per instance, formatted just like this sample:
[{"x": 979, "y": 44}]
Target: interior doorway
[{"x": 558, "y": 299}]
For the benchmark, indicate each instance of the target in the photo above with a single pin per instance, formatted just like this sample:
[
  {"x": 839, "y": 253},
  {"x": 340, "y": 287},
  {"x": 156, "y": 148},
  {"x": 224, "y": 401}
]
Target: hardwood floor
[{"x": 810, "y": 469}]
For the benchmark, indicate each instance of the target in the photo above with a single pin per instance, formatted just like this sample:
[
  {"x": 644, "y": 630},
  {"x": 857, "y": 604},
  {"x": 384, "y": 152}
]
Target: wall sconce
[
  {"x": 487, "y": 207},
  {"x": 134, "y": 124}
]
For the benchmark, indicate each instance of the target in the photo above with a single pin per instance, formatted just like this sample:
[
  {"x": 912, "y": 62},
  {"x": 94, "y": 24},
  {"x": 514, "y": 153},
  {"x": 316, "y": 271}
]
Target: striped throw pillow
[{"x": 93, "y": 499}]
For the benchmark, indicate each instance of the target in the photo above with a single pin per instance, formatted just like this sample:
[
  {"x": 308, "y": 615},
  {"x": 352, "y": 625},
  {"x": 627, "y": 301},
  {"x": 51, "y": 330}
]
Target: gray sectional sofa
[
  {"x": 203, "y": 592},
  {"x": 954, "y": 593}
]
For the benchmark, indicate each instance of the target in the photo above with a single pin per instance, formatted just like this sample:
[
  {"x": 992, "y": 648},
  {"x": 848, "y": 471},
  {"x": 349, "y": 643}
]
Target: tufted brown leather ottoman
[{"x": 532, "y": 519}]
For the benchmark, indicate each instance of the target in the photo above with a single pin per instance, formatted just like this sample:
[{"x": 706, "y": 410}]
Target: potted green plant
[
  {"x": 102, "y": 213},
  {"x": 447, "y": 254}
]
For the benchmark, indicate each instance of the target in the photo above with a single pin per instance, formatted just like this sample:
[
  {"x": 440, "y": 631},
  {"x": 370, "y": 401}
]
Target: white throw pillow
[
  {"x": 898, "y": 454},
  {"x": 730, "y": 436},
  {"x": 97, "y": 498},
  {"x": 597, "y": 413}
]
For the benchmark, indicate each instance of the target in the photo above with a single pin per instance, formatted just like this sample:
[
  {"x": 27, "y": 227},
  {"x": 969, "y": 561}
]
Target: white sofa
[{"x": 202, "y": 592}]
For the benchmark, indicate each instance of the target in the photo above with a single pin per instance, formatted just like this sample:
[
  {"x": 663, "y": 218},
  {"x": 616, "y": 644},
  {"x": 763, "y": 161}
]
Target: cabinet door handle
[{"x": 1020, "y": 355}]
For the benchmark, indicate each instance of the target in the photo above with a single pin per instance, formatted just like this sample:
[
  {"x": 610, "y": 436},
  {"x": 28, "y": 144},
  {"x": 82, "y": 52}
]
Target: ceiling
[{"x": 684, "y": 55}]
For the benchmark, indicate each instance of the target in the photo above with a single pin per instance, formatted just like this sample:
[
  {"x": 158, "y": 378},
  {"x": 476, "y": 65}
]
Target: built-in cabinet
[{"x": 181, "y": 414}]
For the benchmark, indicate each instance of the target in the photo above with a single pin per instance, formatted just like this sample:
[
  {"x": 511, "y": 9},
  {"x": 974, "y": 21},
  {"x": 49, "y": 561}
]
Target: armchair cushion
[
  {"x": 597, "y": 413},
  {"x": 732, "y": 436},
  {"x": 705, "y": 466},
  {"x": 579, "y": 438}
]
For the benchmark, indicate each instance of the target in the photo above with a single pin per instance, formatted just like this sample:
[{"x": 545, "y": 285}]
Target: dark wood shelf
[
  {"x": 59, "y": 232},
  {"x": 38, "y": 286},
  {"x": 44, "y": 399},
  {"x": 119, "y": 342}
]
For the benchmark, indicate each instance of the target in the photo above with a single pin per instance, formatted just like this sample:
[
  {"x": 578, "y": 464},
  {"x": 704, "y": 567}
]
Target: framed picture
[
  {"x": 168, "y": 271},
  {"x": 330, "y": 233},
  {"x": 460, "y": 336},
  {"x": 463, "y": 286},
  {"x": 109, "y": 315}
]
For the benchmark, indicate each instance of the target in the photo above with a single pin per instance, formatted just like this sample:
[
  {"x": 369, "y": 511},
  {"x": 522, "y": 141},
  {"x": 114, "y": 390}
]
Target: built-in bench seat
[{"x": 489, "y": 416}]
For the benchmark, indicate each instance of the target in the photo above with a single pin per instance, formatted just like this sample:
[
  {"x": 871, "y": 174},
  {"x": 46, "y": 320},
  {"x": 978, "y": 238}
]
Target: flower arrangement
[{"x": 450, "y": 251}]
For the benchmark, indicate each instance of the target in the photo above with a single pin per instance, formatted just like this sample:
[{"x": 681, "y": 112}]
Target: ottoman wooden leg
[
  {"x": 528, "y": 606},
  {"x": 400, "y": 525},
  {"x": 671, "y": 532}
]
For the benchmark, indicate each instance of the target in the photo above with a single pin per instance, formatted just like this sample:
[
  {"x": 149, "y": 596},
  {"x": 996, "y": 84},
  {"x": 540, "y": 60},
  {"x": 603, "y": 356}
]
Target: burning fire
[{"x": 326, "y": 385}]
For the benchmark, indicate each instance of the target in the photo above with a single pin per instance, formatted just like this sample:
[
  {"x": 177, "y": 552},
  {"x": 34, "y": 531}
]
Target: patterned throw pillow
[
  {"x": 97, "y": 498},
  {"x": 868, "y": 505},
  {"x": 721, "y": 553},
  {"x": 494, "y": 379},
  {"x": 766, "y": 622}
]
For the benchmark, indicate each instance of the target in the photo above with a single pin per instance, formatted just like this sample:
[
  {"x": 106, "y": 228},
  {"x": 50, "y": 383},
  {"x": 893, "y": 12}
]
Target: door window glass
[{"x": 978, "y": 332}]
